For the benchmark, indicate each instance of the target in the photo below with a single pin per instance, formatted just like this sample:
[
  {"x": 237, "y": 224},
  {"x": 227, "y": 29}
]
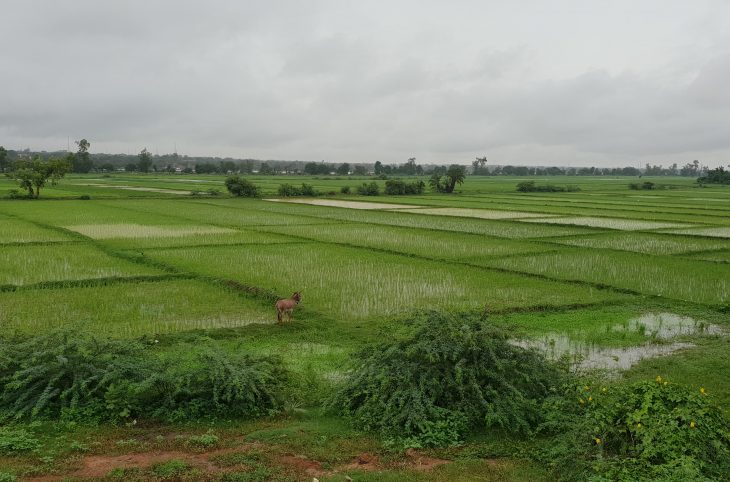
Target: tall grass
[
  {"x": 23, "y": 265},
  {"x": 645, "y": 243},
  {"x": 681, "y": 279},
  {"x": 127, "y": 310},
  {"x": 352, "y": 283},
  {"x": 607, "y": 223},
  {"x": 16, "y": 231},
  {"x": 421, "y": 242}
]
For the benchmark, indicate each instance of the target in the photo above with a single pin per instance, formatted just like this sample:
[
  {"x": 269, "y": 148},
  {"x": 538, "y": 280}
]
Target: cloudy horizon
[{"x": 567, "y": 83}]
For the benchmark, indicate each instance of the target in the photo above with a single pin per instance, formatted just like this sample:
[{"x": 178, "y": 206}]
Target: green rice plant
[
  {"x": 448, "y": 376},
  {"x": 607, "y": 223},
  {"x": 664, "y": 276},
  {"x": 352, "y": 283},
  {"x": 117, "y": 230},
  {"x": 649, "y": 243},
  {"x": 232, "y": 236},
  {"x": 24, "y": 265},
  {"x": 420, "y": 242},
  {"x": 242, "y": 215},
  {"x": 72, "y": 213},
  {"x": 719, "y": 232},
  {"x": 131, "y": 309},
  {"x": 503, "y": 229},
  {"x": 717, "y": 256},
  {"x": 475, "y": 213},
  {"x": 16, "y": 231}
]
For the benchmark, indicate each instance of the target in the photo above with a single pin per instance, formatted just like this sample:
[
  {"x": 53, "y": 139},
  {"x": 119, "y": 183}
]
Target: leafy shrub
[
  {"x": 74, "y": 375},
  {"x": 85, "y": 197},
  {"x": 16, "y": 194},
  {"x": 530, "y": 186},
  {"x": 640, "y": 431},
  {"x": 345, "y": 190},
  {"x": 13, "y": 441},
  {"x": 396, "y": 187},
  {"x": 239, "y": 186},
  {"x": 648, "y": 186},
  {"x": 46, "y": 375},
  {"x": 287, "y": 190},
  {"x": 220, "y": 384},
  {"x": 449, "y": 376},
  {"x": 368, "y": 189},
  {"x": 6, "y": 477}
]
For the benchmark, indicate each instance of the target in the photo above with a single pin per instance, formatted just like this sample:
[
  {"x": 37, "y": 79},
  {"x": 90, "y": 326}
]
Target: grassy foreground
[{"x": 184, "y": 272}]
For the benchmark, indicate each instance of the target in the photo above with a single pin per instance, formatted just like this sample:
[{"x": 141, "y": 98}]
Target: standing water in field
[{"x": 655, "y": 326}]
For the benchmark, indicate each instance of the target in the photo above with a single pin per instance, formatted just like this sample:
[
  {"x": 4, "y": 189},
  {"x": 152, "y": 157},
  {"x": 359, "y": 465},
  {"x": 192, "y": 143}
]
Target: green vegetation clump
[
  {"x": 640, "y": 431},
  {"x": 450, "y": 376},
  {"x": 241, "y": 187},
  {"x": 17, "y": 440},
  {"x": 395, "y": 187},
  {"x": 72, "y": 375},
  {"x": 288, "y": 190},
  {"x": 715, "y": 176},
  {"x": 646, "y": 186},
  {"x": 369, "y": 189},
  {"x": 530, "y": 186}
]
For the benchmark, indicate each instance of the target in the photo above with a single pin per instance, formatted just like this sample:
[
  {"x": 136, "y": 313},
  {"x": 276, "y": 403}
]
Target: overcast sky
[{"x": 598, "y": 82}]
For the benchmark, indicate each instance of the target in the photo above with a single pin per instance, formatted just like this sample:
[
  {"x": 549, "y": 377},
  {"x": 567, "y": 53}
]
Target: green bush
[
  {"x": 368, "y": 189},
  {"x": 47, "y": 375},
  {"x": 72, "y": 375},
  {"x": 640, "y": 431},
  {"x": 449, "y": 376},
  {"x": 345, "y": 190},
  {"x": 530, "y": 186},
  {"x": 14, "y": 441},
  {"x": 287, "y": 190},
  {"x": 394, "y": 187},
  {"x": 239, "y": 186}
]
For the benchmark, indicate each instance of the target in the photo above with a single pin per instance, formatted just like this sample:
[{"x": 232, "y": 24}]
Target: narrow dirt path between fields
[{"x": 98, "y": 466}]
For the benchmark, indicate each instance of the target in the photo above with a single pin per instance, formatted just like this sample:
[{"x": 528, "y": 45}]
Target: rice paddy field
[{"x": 636, "y": 284}]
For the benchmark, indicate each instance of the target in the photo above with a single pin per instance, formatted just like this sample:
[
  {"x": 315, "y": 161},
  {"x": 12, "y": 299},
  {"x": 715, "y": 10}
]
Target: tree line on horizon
[{"x": 83, "y": 161}]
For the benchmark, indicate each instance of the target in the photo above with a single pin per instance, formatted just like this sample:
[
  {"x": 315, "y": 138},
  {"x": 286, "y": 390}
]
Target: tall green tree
[
  {"x": 344, "y": 169},
  {"x": 3, "y": 159},
  {"x": 145, "y": 161},
  {"x": 447, "y": 181},
  {"x": 81, "y": 161},
  {"x": 33, "y": 174}
]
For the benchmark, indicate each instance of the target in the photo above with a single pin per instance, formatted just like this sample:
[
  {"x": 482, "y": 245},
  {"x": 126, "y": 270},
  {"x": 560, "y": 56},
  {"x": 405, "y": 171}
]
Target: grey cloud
[{"x": 357, "y": 82}]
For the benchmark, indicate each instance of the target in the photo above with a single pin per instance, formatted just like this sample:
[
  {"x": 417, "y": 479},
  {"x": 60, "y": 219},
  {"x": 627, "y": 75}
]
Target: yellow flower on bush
[
  {"x": 658, "y": 378},
  {"x": 590, "y": 399},
  {"x": 581, "y": 401},
  {"x": 692, "y": 424},
  {"x": 702, "y": 391},
  {"x": 638, "y": 425},
  {"x": 598, "y": 441},
  {"x": 604, "y": 389}
]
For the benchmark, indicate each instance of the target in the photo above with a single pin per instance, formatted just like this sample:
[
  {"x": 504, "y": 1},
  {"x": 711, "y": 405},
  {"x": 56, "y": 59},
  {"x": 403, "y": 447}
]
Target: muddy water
[{"x": 661, "y": 327}]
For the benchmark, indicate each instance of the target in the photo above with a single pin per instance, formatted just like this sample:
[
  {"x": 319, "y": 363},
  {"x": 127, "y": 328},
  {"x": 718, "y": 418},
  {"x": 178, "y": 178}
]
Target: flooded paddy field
[{"x": 617, "y": 288}]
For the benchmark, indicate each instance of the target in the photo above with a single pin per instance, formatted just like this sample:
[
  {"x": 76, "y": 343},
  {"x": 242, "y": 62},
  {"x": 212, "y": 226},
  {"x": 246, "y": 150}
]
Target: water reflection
[{"x": 654, "y": 326}]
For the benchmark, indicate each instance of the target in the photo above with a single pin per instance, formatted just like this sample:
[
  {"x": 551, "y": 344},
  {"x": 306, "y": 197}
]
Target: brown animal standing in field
[{"x": 286, "y": 307}]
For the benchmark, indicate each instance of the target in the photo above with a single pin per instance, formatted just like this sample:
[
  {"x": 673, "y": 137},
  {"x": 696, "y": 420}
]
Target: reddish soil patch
[
  {"x": 365, "y": 462},
  {"x": 303, "y": 464},
  {"x": 101, "y": 465},
  {"x": 418, "y": 461}
]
